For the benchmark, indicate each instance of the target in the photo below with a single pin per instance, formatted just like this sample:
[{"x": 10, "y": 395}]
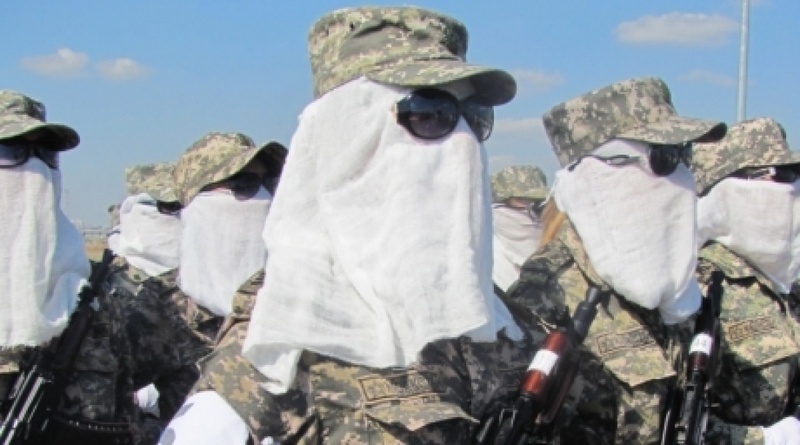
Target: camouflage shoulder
[
  {"x": 539, "y": 276},
  {"x": 245, "y": 298},
  {"x": 716, "y": 255},
  {"x": 236, "y": 380}
]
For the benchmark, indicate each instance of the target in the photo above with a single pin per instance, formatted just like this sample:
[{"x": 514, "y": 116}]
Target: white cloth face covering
[
  {"x": 221, "y": 246},
  {"x": 379, "y": 244},
  {"x": 148, "y": 239},
  {"x": 205, "y": 419},
  {"x": 43, "y": 261},
  {"x": 759, "y": 220},
  {"x": 638, "y": 229},
  {"x": 516, "y": 235}
]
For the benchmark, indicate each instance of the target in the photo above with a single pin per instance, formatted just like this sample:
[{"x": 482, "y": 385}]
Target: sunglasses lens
[
  {"x": 13, "y": 155},
  {"x": 245, "y": 185},
  {"x": 784, "y": 175},
  {"x": 664, "y": 159},
  {"x": 428, "y": 113},
  {"x": 168, "y": 208},
  {"x": 480, "y": 119}
]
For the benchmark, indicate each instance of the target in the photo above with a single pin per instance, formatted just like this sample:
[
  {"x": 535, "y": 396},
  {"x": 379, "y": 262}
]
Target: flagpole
[{"x": 741, "y": 100}]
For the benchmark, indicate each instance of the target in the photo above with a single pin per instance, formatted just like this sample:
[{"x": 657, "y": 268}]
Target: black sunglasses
[
  {"x": 12, "y": 155},
  {"x": 169, "y": 208},
  {"x": 783, "y": 174},
  {"x": 243, "y": 185},
  {"x": 664, "y": 159},
  {"x": 429, "y": 113}
]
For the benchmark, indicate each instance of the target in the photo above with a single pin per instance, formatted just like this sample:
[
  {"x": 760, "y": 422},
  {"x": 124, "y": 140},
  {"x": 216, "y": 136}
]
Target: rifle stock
[
  {"x": 36, "y": 391},
  {"x": 688, "y": 406},
  {"x": 546, "y": 383}
]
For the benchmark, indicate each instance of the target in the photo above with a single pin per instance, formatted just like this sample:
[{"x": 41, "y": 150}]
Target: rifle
[
  {"x": 546, "y": 383},
  {"x": 688, "y": 405},
  {"x": 37, "y": 389}
]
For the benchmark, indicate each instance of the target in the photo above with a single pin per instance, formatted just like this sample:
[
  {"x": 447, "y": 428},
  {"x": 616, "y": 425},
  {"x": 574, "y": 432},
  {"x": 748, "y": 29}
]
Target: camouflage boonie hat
[
  {"x": 752, "y": 143},
  {"x": 404, "y": 46},
  {"x": 635, "y": 109},
  {"x": 519, "y": 181},
  {"x": 154, "y": 179},
  {"x": 213, "y": 158},
  {"x": 21, "y": 115}
]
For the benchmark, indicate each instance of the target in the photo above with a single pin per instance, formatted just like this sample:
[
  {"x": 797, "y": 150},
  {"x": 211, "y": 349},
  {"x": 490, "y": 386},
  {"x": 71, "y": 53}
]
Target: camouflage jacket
[
  {"x": 759, "y": 349},
  {"x": 202, "y": 321},
  {"x": 626, "y": 360},
  {"x": 438, "y": 401},
  {"x": 101, "y": 385},
  {"x": 164, "y": 348}
]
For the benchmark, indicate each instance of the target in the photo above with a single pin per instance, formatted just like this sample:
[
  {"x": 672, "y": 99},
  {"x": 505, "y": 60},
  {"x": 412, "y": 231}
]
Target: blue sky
[{"x": 142, "y": 80}]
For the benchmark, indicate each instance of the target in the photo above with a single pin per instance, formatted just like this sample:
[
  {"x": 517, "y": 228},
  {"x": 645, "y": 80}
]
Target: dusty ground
[{"x": 94, "y": 249}]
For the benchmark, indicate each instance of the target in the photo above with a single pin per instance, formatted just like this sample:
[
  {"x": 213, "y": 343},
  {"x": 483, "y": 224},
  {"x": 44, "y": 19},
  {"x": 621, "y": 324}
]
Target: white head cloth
[
  {"x": 148, "y": 239},
  {"x": 516, "y": 235},
  {"x": 43, "y": 260},
  {"x": 638, "y": 229},
  {"x": 221, "y": 246},
  {"x": 379, "y": 243},
  {"x": 759, "y": 220}
]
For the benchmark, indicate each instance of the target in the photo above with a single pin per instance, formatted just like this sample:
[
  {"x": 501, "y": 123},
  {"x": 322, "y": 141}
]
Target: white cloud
[
  {"x": 537, "y": 81},
  {"x": 121, "y": 69},
  {"x": 63, "y": 63},
  {"x": 678, "y": 29},
  {"x": 709, "y": 77}
]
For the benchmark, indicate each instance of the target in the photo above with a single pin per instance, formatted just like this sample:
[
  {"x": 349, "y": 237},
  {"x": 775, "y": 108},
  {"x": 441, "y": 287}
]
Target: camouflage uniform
[
  {"x": 519, "y": 181},
  {"x": 438, "y": 401},
  {"x": 441, "y": 398},
  {"x": 101, "y": 384},
  {"x": 760, "y": 342},
  {"x": 614, "y": 399},
  {"x": 163, "y": 346}
]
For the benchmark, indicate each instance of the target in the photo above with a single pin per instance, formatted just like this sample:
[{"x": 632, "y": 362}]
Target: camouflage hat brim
[
  {"x": 59, "y": 137},
  {"x": 677, "y": 130},
  {"x": 497, "y": 86},
  {"x": 164, "y": 195}
]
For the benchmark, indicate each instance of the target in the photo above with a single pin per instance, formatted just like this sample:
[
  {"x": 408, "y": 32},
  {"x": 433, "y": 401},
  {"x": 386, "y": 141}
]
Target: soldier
[
  {"x": 748, "y": 223},
  {"x": 112, "y": 236},
  {"x": 621, "y": 218},
  {"x": 43, "y": 266},
  {"x": 376, "y": 322},
  {"x": 225, "y": 184},
  {"x": 143, "y": 278},
  {"x": 517, "y": 196}
]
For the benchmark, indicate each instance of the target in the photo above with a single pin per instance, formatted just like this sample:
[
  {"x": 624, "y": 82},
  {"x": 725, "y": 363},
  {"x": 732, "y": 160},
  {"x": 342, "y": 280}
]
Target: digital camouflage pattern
[
  {"x": 213, "y": 158},
  {"x": 202, "y": 321},
  {"x": 753, "y": 143},
  {"x": 154, "y": 179},
  {"x": 101, "y": 386},
  {"x": 438, "y": 401},
  {"x": 636, "y": 109},
  {"x": 164, "y": 349},
  {"x": 21, "y": 115},
  {"x": 404, "y": 46},
  {"x": 519, "y": 181},
  {"x": 626, "y": 360},
  {"x": 759, "y": 349}
]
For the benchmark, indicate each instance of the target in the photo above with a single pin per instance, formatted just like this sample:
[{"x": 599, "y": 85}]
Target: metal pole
[{"x": 741, "y": 100}]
